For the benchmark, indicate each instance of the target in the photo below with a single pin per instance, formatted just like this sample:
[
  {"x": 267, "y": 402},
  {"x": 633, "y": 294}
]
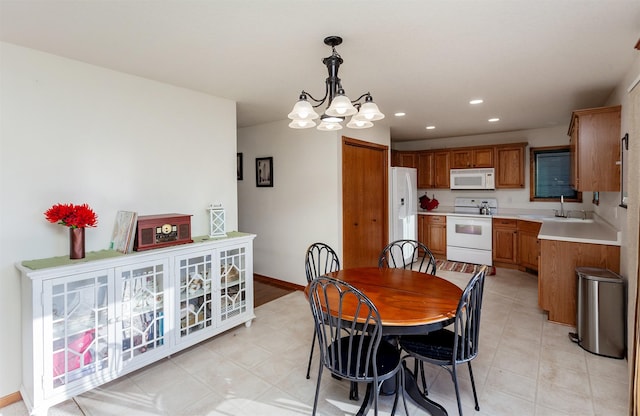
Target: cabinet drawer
[
  {"x": 505, "y": 223},
  {"x": 530, "y": 226},
  {"x": 436, "y": 219}
]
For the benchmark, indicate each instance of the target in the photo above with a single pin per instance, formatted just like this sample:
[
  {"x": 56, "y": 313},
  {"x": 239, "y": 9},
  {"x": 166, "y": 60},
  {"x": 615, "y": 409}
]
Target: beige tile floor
[{"x": 526, "y": 366}]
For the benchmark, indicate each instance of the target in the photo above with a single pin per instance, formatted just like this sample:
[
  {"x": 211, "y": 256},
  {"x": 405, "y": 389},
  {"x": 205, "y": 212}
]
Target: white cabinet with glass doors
[
  {"x": 215, "y": 292},
  {"x": 86, "y": 323}
]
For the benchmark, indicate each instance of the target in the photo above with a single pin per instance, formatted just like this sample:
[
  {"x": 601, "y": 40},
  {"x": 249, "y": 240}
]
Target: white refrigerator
[{"x": 404, "y": 204}]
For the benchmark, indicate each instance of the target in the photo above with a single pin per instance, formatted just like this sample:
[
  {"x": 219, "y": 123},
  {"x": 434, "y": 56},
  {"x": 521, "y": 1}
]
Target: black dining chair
[
  {"x": 349, "y": 332},
  {"x": 408, "y": 254},
  {"x": 319, "y": 260},
  {"x": 449, "y": 349}
]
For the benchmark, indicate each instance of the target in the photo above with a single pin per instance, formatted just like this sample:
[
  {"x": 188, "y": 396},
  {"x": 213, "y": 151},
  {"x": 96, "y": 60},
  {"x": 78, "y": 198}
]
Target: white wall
[
  {"x": 72, "y": 132},
  {"x": 305, "y": 203},
  {"x": 629, "y": 219}
]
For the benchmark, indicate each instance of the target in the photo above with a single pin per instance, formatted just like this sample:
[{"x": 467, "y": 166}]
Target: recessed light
[
  {"x": 431, "y": 127},
  {"x": 400, "y": 114},
  {"x": 493, "y": 120},
  {"x": 476, "y": 101}
]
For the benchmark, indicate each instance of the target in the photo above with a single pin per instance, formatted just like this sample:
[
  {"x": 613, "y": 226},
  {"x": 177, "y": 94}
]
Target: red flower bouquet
[{"x": 73, "y": 216}]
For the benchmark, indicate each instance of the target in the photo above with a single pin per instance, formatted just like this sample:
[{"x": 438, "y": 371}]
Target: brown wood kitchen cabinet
[
  {"x": 510, "y": 165},
  {"x": 505, "y": 241},
  {"x": 557, "y": 281},
  {"x": 404, "y": 159},
  {"x": 441, "y": 161},
  {"x": 528, "y": 244},
  {"x": 477, "y": 157},
  {"x": 595, "y": 149},
  {"x": 432, "y": 231},
  {"x": 426, "y": 170},
  {"x": 422, "y": 229}
]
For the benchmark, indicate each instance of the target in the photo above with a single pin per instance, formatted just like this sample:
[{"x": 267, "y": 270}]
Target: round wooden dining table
[{"x": 409, "y": 302}]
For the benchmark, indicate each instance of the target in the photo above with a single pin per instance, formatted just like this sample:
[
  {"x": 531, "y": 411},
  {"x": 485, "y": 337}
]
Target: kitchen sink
[
  {"x": 561, "y": 219},
  {"x": 555, "y": 219}
]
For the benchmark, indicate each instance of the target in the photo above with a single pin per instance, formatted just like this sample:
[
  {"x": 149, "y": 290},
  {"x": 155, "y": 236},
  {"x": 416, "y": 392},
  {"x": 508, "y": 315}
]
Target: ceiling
[{"x": 532, "y": 62}]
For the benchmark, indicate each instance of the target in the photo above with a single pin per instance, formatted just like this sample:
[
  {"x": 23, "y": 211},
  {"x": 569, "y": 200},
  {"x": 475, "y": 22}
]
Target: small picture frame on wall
[
  {"x": 239, "y": 165},
  {"x": 264, "y": 172}
]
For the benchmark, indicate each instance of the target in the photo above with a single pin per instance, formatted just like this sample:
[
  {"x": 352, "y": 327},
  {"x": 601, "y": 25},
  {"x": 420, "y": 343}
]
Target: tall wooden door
[{"x": 364, "y": 202}]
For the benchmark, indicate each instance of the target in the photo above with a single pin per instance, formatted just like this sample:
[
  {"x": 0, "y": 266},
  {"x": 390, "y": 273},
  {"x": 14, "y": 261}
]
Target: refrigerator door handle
[{"x": 410, "y": 202}]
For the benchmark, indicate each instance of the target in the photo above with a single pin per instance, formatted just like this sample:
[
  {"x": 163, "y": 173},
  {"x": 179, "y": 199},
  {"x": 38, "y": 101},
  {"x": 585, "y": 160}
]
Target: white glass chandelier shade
[
  {"x": 302, "y": 110},
  {"x": 302, "y": 124},
  {"x": 369, "y": 111},
  {"x": 355, "y": 123},
  {"x": 341, "y": 107},
  {"x": 329, "y": 126}
]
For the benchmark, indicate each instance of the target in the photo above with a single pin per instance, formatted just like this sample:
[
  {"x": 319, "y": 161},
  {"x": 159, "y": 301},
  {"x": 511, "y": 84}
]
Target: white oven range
[{"x": 469, "y": 235}]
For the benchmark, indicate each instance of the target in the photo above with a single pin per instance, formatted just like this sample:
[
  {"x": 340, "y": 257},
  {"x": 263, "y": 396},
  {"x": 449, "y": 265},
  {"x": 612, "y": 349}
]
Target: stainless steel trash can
[{"x": 601, "y": 323}]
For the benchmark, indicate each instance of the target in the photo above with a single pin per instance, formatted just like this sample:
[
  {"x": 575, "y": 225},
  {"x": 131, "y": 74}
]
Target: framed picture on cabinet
[
  {"x": 239, "y": 165},
  {"x": 264, "y": 171}
]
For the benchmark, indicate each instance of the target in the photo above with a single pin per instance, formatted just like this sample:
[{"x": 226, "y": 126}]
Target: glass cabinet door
[
  {"x": 195, "y": 302},
  {"x": 141, "y": 309},
  {"x": 76, "y": 334},
  {"x": 233, "y": 283}
]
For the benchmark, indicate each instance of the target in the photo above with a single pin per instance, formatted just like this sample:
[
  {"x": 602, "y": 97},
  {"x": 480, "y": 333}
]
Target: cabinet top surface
[
  {"x": 94, "y": 256},
  {"x": 591, "y": 111}
]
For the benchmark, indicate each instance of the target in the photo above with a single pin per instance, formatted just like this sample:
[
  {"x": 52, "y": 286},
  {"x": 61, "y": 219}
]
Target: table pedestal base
[{"x": 411, "y": 388}]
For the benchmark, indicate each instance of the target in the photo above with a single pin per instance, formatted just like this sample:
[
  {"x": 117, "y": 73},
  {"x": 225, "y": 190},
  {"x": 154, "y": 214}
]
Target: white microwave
[{"x": 473, "y": 178}]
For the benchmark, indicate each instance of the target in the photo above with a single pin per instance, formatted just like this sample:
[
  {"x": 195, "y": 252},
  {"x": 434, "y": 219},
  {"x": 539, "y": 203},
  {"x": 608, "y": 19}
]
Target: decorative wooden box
[{"x": 164, "y": 230}]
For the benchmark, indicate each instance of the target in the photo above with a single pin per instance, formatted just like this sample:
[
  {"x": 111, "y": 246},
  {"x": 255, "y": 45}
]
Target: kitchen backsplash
[{"x": 511, "y": 198}]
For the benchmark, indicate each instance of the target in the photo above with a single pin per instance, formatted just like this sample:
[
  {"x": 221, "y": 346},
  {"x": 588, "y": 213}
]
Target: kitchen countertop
[
  {"x": 597, "y": 232},
  {"x": 594, "y": 231}
]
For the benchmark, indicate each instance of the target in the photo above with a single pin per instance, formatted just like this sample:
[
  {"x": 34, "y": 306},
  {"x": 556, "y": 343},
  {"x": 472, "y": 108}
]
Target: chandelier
[{"x": 363, "y": 114}]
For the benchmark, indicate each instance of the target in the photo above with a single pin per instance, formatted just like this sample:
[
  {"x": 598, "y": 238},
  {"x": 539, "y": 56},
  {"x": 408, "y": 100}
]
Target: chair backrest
[
  {"x": 408, "y": 254},
  {"x": 320, "y": 260},
  {"x": 467, "y": 323},
  {"x": 348, "y": 328}
]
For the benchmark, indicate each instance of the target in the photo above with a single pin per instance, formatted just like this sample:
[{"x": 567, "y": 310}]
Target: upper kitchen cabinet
[
  {"x": 595, "y": 149},
  {"x": 441, "y": 161},
  {"x": 404, "y": 159},
  {"x": 478, "y": 157},
  {"x": 426, "y": 170},
  {"x": 510, "y": 165}
]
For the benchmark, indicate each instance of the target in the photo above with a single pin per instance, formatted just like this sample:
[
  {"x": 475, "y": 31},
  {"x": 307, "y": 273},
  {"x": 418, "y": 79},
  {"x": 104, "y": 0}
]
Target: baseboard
[
  {"x": 277, "y": 282},
  {"x": 10, "y": 399},
  {"x": 505, "y": 265}
]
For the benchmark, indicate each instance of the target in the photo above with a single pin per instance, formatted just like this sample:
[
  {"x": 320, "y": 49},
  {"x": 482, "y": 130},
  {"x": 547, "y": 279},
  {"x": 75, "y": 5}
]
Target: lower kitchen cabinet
[
  {"x": 505, "y": 241},
  {"x": 557, "y": 281},
  {"x": 528, "y": 244},
  {"x": 87, "y": 322},
  {"x": 432, "y": 231},
  {"x": 515, "y": 243}
]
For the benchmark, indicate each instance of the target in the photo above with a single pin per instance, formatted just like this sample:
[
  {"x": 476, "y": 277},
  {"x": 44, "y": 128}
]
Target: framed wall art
[
  {"x": 264, "y": 171},
  {"x": 239, "y": 165}
]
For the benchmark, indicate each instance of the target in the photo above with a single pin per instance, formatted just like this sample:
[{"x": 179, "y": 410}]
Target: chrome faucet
[{"x": 561, "y": 213}]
